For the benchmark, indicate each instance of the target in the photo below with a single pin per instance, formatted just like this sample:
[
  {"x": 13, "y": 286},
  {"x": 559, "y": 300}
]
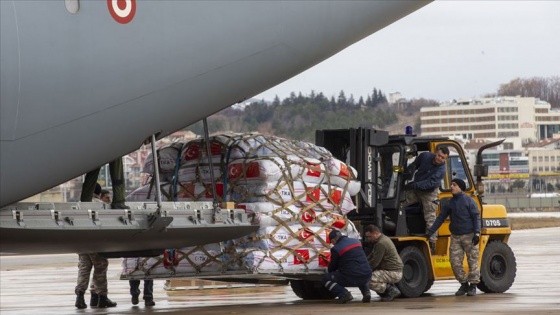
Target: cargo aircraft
[{"x": 84, "y": 82}]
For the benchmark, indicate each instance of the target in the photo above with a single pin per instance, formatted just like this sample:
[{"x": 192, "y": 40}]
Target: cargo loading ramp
[{"x": 91, "y": 227}]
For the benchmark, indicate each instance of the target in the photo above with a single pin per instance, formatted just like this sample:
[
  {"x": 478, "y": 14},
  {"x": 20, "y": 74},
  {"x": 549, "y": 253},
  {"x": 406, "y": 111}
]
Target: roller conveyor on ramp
[{"x": 90, "y": 227}]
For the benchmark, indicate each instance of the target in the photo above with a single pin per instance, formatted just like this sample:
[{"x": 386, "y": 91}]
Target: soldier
[
  {"x": 386, "y": 264},
  {"x": 117, "y": 181},
  {"x": 99, "y": 288},
  {"x": 348, "y": 267},
  {"x": 100, "y": 264},
  {"x": 428, "y": 170},
  {"x": 465, "y": 235}
]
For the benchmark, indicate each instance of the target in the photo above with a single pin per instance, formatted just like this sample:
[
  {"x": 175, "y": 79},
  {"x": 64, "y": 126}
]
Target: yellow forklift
[{"x": 381, "y": 161}]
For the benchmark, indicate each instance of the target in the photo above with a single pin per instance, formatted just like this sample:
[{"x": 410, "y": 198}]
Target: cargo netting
[{"x": 295, "y": 191}]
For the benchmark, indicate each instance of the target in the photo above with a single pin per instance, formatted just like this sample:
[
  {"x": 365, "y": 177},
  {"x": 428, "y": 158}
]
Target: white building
[{"x": 520, "y": 120}]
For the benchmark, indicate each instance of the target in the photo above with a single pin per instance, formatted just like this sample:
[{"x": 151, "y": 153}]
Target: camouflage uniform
[
  {"x": 461, "y": 245},
  {"x": 386, "y": 264},
  {"x": 429, "y": 207},
  {"x": 380, "y": 278},
  {"x": 100, "y": 265}
]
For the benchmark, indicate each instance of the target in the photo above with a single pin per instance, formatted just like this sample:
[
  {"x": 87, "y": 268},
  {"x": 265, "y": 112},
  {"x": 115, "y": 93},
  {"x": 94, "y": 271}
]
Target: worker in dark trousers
[
  {"x": 348, "y": 267},
  {"x": 148, "y": 292},
  {"x": 117, "y": 180}
]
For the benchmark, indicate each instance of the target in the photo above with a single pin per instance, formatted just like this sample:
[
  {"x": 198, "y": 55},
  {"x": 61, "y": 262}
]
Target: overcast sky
[{"x": 445, "y": 50}]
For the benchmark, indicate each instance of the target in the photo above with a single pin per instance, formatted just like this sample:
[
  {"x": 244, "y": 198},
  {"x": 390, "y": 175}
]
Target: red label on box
[
  {"x": 324, "y": 259},
  {"x": 336, "y": 197},
  {"x": 301, "y": 256},
  {"x": 313, "y": 170},
  {"x": 235, "y": 170},
  {"x": 305, "y": 233},
  {"x": 219, "y": 190},
  {"x": 344, "y": 171},
  {"x": 192, "y": 152},
  {"x": 253, "y": 170},
  {"x": 308, "y": 216},
  {"x": 313, "y": 194}
]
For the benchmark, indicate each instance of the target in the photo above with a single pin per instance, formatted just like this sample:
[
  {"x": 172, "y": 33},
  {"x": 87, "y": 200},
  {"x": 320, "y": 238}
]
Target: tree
[
  {"x": 351, "y": 100},
  {"x": 547, "y": 89},
  {"x": 374, "y": 98},
  {"x": 369, "y": 101},
  {"x": 361, "y": 101},
  {"x": 276, "y": 101},
  {"x": 341, "y": 102}
]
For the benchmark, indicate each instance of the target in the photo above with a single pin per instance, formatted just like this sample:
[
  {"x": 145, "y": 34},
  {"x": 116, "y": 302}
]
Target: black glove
[
  {"x": 409, "y": 186},
  {"x": 407, "y": 175},
  {"x": 476, "y": 239}
]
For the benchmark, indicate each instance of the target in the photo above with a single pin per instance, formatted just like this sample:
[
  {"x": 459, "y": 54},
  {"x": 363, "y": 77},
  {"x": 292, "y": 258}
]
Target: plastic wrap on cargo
[
  {"x": 201, "y": 192},
  {"x": 288, "y": 237},
  {"x": 168, "y": 156},
  {"x": 190, "y": 259},
  {"x": 199, "y": 173},
  {"x": 145, "y": 193},
  {"x": 268, "y": 214},
  {"x": 302, "y": 259},
  {"x": 321, "y": 197},
  {"x": 342, "y": 175}
]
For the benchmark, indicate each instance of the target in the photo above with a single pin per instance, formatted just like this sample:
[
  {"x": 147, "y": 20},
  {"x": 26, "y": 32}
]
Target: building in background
[
  {"x": 536, "y": 166},
  {"x": 520, "y": 120}
]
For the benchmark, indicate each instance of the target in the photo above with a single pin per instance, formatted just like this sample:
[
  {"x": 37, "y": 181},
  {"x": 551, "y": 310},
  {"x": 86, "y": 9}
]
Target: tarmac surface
[{"x": 45, "y": 285}]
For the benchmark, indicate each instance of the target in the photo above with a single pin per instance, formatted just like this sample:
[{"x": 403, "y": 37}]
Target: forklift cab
[{"x": 382, "y": 162}]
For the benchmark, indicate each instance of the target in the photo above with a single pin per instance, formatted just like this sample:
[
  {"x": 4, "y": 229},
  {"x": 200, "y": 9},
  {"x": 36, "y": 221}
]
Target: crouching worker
[
  {"x": 386, "y": 264},
  {"x": 348, "y": 268}
]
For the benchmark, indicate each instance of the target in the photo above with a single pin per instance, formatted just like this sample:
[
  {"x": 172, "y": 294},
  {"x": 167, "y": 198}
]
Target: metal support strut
[
  {"x": 156, "y": 175},
  {"x": 217, "y": 210}
]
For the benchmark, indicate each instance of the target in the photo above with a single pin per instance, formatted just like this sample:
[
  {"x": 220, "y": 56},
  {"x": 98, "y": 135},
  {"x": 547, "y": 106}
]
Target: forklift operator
[{"x": 428, "y": 170}]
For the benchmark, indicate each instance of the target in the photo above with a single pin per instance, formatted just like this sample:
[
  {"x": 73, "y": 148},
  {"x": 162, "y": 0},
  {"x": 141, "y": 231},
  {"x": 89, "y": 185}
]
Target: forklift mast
[
  {"x": 359, "y": 148},
  {"x": 381, "y": 162}
]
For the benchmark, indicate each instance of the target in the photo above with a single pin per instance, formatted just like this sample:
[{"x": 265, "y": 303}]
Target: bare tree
[{"x": 547, "y": 89}]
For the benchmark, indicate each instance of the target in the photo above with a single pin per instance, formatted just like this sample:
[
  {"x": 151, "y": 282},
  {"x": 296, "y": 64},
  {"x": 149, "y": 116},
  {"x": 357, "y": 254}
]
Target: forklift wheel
[
  {"x": 310, "y": 290},
  {"x": 497, "y": 268},
  {"x": 415, "y": 272}
]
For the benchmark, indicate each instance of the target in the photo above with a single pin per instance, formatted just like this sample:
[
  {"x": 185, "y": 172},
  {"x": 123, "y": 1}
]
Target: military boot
[
  {"x": 80, "y": 301},
  {"x": 472, "y": 289},
  {"x": 94, "y": 300},
  {"x": 463, "y": 289},
  {"x": 105, "y": 302},
  {"x": 391, "y": 293}
]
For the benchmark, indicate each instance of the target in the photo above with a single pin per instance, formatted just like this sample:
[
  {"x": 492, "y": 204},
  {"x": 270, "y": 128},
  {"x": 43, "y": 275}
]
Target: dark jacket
[
  {"x": 428, "y": 175},
  {"x": 385, "y": 256},
  {"x": 349, "y": 258},
  {"x": 465, "y": 217}
]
